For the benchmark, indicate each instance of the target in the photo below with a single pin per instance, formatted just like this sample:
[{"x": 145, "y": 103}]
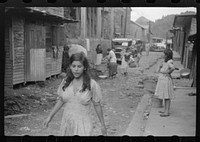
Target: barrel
[{"x": 156, "y": 102}]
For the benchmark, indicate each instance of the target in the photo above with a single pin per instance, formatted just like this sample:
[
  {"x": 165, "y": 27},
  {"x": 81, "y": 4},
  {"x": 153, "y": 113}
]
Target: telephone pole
[{"x": 125, "y": 23}]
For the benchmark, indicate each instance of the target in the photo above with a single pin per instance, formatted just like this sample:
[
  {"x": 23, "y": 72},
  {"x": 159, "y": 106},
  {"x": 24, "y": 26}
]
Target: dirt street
[{"x": 120, "y": 100}]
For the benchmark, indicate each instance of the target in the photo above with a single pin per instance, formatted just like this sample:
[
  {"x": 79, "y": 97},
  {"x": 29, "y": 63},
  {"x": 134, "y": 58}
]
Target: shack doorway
[{"x": 35, "y": 52}]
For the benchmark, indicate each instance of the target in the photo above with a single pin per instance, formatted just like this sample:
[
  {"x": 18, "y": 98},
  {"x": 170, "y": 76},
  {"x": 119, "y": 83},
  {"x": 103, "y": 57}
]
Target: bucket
[
  {"x": 185, "y": 73},
  {"x": 149, "y": 85},
  {"x": 156, "y": 103}
]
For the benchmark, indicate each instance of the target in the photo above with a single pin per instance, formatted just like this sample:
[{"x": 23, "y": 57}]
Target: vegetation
[{"x": 160, "y": 27}]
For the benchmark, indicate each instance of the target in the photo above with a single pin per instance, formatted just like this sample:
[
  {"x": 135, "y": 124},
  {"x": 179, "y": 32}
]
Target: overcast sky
[{"x": 154, "y": 13}]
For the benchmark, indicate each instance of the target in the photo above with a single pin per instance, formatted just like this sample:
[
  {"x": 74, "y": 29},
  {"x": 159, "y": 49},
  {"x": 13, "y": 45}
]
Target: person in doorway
[
  {"x": 78, "y": 91},
  {"x": 147, "y": 48},
  {"x": 112, "y": 63},
  {"x": 164, "y": 88},
  {"x": 99, "y": 52},
  {"x": 169, "y": 48}
]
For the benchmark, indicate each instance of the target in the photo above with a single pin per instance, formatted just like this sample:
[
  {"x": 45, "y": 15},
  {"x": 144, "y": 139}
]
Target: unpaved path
[{"x": 120, "y": 100}]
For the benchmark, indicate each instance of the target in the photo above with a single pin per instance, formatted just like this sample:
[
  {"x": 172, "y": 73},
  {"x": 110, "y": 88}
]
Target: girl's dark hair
[
  {"x": 98, "y": 45},
  {"x": 108, "y": 49},
  {"x": 168, "y": 55},
  {"x": 86, "y": 78}
]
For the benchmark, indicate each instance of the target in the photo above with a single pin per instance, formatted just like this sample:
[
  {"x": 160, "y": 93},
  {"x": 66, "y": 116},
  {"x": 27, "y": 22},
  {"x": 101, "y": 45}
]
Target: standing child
[
  {"x": 164, "y": 89},
  {"x": 125, "y": 59}
]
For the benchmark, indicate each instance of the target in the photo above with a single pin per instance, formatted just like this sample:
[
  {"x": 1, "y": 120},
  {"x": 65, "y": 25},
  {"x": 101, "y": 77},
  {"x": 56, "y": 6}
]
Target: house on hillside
[
  {"x": 137, "y": 32},
  {"x": 34, "y": 42},
  {"x": 184, "y": 41}
]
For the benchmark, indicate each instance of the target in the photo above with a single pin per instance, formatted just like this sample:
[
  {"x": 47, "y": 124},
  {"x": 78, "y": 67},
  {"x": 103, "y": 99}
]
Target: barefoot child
[{"x": 164, "y": 89}]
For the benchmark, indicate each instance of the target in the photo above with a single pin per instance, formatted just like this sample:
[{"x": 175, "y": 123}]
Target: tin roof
[{"x": 28, "y": 10}]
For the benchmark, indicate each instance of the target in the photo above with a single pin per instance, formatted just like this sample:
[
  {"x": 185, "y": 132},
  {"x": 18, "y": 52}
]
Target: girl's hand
[
  {"x": 104, "y": 130},
  {"x": 46, "y": 122}
]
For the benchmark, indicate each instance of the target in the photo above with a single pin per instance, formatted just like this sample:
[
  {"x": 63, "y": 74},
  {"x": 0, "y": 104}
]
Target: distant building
[{"x": 137, "y": 32}]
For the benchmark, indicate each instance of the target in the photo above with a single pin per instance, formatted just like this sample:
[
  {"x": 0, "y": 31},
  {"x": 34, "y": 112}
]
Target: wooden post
[
  {"x": 125, "y": 23},
  {"x": 102, "y": 29},
  {"x": 99, "y": 22},
  {"x": 83, "y": 22},
  {"x": 112, "y": 22}
]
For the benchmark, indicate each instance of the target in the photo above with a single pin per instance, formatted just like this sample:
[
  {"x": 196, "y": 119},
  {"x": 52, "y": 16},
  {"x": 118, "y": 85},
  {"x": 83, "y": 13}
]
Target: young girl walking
[
  {"x": 77, "y": 93},
  {"x": 164, "y": 89}
]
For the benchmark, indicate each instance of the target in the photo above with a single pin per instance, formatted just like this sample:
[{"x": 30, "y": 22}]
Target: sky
[{"x": 154, "y": 13}]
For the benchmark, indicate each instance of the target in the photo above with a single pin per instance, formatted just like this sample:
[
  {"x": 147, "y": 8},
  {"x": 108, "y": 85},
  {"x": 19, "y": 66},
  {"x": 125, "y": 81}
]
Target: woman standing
[
  {"x": 78, "y": 91},
  {"x": 125, "y": 60},
  {"x": 99, "y": 54},
  {"x": 112, "y": 64},
  {"x": 164, "y": 89}
]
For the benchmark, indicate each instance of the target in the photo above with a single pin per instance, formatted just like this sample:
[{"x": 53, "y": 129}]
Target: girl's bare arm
[
  {"x": 98, "y": 109},
  {"x": 55, "y": 109}
]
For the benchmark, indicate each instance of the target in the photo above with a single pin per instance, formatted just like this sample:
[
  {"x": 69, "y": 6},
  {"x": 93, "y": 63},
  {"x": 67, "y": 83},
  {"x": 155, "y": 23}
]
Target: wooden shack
[
  {"x": 185, "y": 26},
  {"x": 34, "y": 39}
]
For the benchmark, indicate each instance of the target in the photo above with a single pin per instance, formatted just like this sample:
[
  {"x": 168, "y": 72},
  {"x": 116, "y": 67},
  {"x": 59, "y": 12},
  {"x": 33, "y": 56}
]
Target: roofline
[
  {"x": 138, "y": 24},
  {"x": 184, "y": 15},
  {"x": 45, "y": 14}
]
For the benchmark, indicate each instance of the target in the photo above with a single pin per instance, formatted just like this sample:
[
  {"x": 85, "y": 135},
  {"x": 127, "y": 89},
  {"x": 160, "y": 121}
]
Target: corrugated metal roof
[{"x": 27, "y": 10}]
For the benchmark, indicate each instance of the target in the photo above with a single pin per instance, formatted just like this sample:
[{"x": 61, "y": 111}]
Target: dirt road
[{"x": 120, "y": 100}]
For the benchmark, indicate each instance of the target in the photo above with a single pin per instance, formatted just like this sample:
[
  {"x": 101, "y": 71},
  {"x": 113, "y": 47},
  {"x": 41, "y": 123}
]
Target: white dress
[
  {"x": 124, "y": 65},
  {"x": 99, "y": 59},
  {"x": 76, "y": 119},
  {"x": 164, "y": 87}
]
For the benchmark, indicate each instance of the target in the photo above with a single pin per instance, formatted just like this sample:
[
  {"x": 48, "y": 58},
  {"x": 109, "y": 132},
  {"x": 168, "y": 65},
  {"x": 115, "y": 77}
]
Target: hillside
[
  {"x": 160, "y": 27},
  {"x": 143, "y": 21}
]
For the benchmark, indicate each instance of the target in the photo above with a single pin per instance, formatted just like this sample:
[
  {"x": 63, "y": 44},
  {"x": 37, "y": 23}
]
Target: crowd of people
[{"x": 130, "y": 57}]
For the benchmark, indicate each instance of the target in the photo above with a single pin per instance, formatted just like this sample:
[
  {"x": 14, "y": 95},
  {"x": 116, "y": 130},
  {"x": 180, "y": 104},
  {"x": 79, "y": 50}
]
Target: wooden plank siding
[
  {"x": 48, "y": 67},
  {"x": 18, "y": 50},
  {"x": 8, "y": 56},
  {"x": 37, "y": 64},
  {"x": 56, "y": 63}
]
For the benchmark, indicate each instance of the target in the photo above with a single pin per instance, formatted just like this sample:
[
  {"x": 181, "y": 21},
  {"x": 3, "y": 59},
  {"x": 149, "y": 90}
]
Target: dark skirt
[{"x": 112, "y": 68}]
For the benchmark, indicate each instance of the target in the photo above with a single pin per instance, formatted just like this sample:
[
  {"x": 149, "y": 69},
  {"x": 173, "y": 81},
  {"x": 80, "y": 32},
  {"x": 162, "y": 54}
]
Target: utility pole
[
  {"x": 102, "y": 29},
  {"x": 125, "y": 23},
  {"x": 166, "y": 38}
]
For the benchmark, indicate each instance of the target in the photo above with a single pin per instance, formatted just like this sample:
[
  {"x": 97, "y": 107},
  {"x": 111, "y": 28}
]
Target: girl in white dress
[
  {"x": 78, "y": 92},
  {"x": 164, "y": 89},
  {"x": 99, "y": 54},
  {"x": 125, "y": 60}
]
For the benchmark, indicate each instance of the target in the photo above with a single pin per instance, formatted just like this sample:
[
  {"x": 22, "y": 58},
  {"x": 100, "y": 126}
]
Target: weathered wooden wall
[
  {"x": 8, "y": 55},
  {"x": 18, "y": 49},
  {"x": 37, "y": 64}
]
